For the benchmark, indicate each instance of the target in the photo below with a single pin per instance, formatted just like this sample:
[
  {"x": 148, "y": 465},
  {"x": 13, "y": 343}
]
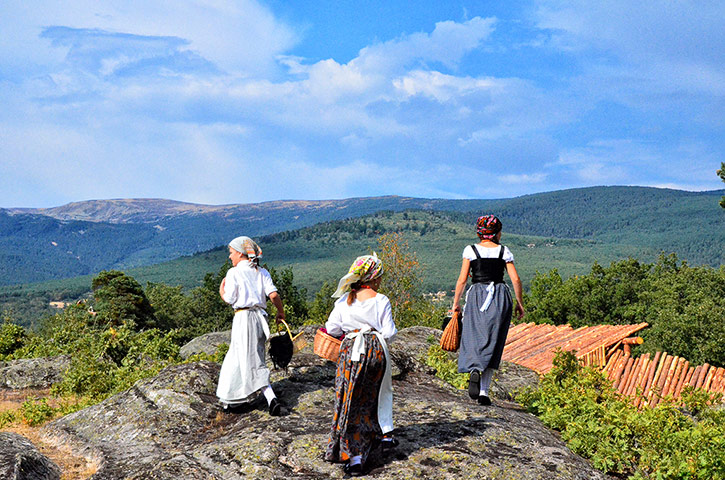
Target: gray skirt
[{"x": 484, "y": 332}]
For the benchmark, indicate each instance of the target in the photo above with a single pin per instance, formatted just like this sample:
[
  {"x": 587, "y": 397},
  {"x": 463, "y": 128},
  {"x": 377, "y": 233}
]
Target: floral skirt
[{"x": 355, "y": 427}]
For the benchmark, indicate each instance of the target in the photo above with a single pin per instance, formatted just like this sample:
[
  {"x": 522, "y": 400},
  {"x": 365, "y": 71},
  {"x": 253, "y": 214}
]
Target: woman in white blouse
[
  {"x": 246, "y": 287},
  {"x": 363, "y": 412}
]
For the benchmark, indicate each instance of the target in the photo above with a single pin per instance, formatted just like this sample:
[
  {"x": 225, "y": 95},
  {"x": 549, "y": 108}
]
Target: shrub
[
  {"x": 33, "y": 412},
  {"x": 12, "y": 337},
  {"x": 446, "y": 368},
  {"x": 669, "y": 441}
]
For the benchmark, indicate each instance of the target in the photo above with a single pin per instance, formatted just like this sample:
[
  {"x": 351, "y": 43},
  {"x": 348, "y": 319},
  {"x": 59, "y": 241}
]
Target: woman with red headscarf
[{"x": 488, "y": 306}]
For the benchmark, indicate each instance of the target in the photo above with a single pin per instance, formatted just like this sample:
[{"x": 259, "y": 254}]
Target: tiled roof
[
  {"x": 648, "y": 379},
  {"x": 534, "y": 346}
]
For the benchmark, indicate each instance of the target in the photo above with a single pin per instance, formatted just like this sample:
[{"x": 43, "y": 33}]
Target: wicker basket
[{"x": 326, "y": 346}]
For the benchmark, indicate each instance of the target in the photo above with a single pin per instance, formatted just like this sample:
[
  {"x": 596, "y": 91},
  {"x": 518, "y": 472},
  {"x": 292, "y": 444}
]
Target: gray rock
[
  {"x": 20, "y": 460},
  {"x": 205, "y": 344},
  {"x": 171, "y": 427},
  {"x": 33, "y": 372}
]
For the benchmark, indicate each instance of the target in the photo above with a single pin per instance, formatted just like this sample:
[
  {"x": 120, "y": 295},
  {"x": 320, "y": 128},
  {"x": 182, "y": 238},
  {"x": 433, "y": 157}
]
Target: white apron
[
  {"x": 385, "y": 395},
  {"x": 244, "y": 371}
]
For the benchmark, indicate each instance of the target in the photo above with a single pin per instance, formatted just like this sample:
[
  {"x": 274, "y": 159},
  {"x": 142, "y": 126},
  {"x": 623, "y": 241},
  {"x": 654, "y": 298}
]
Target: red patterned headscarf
[
  {"x": 487, "y": 227},
  {"x": 364, "y": 269}
]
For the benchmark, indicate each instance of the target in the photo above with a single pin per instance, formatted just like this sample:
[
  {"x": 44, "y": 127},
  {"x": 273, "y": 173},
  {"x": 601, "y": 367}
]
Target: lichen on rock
[{"x": 171, "y": 427}]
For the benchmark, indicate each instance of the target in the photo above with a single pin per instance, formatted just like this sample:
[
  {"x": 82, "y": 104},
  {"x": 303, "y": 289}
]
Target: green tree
[
  {"x": 294, "y": 297},
  {"x": 322, "y": 304},
  {"x": 119, "y": 299},
  {"x": 208, "y": 311},
  {"x": 683, "y": 305},
  {"x": 171, "y": 307},
  {"x": 12, "y": 337},
  {"x": 402, "y": 282},
  {"x": 685, "y": 310}
]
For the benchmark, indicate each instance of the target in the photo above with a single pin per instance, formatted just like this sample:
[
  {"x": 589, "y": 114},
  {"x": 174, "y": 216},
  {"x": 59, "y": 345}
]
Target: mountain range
[{"x": 83, "y": 238}]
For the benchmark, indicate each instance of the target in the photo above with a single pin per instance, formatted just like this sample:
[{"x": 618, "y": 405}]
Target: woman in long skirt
[
  {"x": 488, "y": 307},
  {"x": 363, "y": 412},
  {"x": 246, "y": 287}
]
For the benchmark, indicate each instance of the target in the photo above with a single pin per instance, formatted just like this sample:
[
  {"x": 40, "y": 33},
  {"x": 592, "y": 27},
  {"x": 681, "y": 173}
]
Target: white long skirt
[{"x": 244, "y": 371}]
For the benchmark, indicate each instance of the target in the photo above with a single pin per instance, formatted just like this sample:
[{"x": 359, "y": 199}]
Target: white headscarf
[{"x": 248, "y": 247}]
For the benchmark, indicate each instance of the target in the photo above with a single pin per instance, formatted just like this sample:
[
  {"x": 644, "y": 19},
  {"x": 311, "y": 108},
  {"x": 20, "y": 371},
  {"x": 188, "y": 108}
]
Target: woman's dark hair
[{"x": 353, "y": 292}]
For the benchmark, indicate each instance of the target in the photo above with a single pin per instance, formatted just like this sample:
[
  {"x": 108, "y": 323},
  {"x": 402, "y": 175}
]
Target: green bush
[
  {"x": 669, "y": 441},
  {"x": 446, "y": 367},
  {"x": 12, "y": 337},
  {"x": 36, "y": 411},
  {"x": 7, "y": 417}
]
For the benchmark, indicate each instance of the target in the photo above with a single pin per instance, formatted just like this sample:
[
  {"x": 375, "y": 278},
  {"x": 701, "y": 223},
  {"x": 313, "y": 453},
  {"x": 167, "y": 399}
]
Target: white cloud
[
  {"x": 523, "y": 178},
  {"x": 139, "y": 99},
  {"x": 670, "y": 46},
  {"x": 236, "y": 35},
  {"x": 630, "y": 162},
  {"x": 447, "y": 44}
]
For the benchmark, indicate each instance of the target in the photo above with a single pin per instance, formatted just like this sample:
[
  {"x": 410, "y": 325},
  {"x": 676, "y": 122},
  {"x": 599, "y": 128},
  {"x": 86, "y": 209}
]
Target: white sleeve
[
  {"x": 334, "y": 321},
  {"x": 508, "y": 257},
  {"x": 267, "y": 283},
  {"x": 468, "y": 253},
  {"x": 231, "y": 290},
  {"x": 388, "y": 329}
]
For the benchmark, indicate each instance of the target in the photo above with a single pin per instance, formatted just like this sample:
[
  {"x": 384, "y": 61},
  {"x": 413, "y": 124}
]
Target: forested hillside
[
  {"x": 323, "y": 252},
  {"x": 83, "y": 238}
]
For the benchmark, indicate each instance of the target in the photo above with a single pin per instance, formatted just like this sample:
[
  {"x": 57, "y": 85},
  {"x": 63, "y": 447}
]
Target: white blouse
[
  {"x": 486, "y": 252},
  {"x": 246, "y": 286},
  {"x": 375, "y": 312}
]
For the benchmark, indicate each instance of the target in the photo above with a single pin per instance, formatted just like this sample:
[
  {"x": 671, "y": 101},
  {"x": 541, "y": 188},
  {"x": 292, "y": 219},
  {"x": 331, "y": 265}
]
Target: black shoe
[
  {"x": 275, "y": 408},
  {"x": 474, "y": 384},
  {"x": 355, "y": 470},
  {"x": 235, "y": 408},
  {"x": 484, "y": 400},
  {"x": 389, "y": 443}
]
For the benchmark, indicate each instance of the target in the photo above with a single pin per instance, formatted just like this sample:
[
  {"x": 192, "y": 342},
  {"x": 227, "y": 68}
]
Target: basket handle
[{"x": 289, "y": 332}]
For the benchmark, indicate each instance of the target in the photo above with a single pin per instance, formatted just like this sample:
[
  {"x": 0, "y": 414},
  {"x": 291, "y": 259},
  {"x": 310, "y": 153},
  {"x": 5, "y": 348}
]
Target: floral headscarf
[
  {"x": 487, "y": 227},
  {"x": 248, "y": 247},
  {"x": 363, "y": 269}
]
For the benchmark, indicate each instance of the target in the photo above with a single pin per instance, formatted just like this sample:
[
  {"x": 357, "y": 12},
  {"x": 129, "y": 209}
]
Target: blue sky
[{"x": 221, "y": 101}]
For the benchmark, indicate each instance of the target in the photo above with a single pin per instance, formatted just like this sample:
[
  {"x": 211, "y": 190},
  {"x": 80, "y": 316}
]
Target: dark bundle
[{"x": 280, "y": 349}]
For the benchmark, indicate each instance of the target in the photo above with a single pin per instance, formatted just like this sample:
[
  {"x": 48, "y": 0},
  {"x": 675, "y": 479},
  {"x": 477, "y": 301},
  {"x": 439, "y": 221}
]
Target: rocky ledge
[
  {"x": 171, "y": 427},
  {"x": 20, "y": 460},
  {"x": 33, "y": 372}
]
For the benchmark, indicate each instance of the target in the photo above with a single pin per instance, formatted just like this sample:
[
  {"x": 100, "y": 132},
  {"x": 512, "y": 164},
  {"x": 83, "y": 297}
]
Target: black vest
[{"x": 487, "y": 270}]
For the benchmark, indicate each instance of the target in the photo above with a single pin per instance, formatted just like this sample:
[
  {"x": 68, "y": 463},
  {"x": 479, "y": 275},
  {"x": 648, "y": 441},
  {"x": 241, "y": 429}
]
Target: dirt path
[{"x": 72, "y": 466}]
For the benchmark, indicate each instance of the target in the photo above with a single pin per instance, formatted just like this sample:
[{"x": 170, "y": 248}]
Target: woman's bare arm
[
  {"x": 518, "y": 290},
  {"x": 461, "y": 283}
]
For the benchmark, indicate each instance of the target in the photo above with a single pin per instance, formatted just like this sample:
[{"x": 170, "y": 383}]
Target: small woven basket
[{"x": 326, "y": 346}]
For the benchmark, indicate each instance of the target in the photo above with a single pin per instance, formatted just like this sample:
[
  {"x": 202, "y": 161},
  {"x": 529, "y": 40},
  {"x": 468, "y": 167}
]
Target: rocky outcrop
[
  {"x": 33, "y": 372},
  {"x": 207, "y": 343},
  {"x": 20, "y": 460},
  {"x": 171, "y": 427}
]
